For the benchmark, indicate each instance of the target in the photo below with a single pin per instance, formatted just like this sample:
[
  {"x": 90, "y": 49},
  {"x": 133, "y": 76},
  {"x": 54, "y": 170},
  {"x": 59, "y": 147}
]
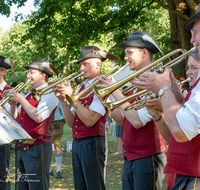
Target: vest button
[
  {"x": 75, "y": 126},
  {"x": 76, "y": 133},
  {"x": 21, "y": 118},
  {"x": 76, "y": 120},
  {"x": 124, "y": 134},
  {"x": 122, "y": 143},
  {"x": 125, "y": 151}
]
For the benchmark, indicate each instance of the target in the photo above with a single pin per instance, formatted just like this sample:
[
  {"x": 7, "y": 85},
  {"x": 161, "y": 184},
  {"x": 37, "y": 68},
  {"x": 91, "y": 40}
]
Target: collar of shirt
[
  {"x": 42, "y": 86},
  {"x": 2, "y": 85},
  {"x": 88, "y": 82}
]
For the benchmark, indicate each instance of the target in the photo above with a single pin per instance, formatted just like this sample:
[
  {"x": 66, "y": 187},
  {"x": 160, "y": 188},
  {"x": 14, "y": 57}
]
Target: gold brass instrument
[
  {"x": 73, "y": 100},
  {"x": 64, "y": 82},
  {"x": 92, "y": 91},
  {"x": 128, "y": 89},
  {"x": 147, "y": 96},
  {"x": 38, "y": 93},
  {"x": 103, "y": 93},
  {"x": 17, "y": 88}
]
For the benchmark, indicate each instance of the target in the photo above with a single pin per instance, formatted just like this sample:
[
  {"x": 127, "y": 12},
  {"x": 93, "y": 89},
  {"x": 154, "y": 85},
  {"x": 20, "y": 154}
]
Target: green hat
[
  {"x": 43, "y": 66},
  {"x": 190, "y": 22},
  {"x": 89, "y": 52},
  {"x": 141, "y": 40},
  {"x": 6, "y": 63}
]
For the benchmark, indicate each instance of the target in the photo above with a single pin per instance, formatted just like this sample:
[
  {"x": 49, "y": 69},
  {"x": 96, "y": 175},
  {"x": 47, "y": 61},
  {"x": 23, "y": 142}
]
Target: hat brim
[
  {"x": 90, "y": 56},
  {"x": 190, "y": 22},
  {"x": 45, "y": 70},
  {"x": 6, "y": 66},
  {"x": 145, "y": 44}
]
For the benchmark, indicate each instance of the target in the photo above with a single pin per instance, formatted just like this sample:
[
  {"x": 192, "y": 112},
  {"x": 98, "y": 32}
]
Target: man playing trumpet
[
  {"x": 88, "y": 123},
  {"x": 36, "y": 119},
  {"x": 143, "y": 146}
]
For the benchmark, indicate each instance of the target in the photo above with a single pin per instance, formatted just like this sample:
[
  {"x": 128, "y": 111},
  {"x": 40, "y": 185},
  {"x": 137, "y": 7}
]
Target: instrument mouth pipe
[{"x": 104, "y": 93}]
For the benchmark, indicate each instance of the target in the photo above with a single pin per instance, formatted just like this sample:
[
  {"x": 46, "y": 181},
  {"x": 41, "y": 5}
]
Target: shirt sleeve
[
  {"x": 188, "y": 116},
  {"x": 47, "y": 104},
  {"x": 144, "y": 115}
]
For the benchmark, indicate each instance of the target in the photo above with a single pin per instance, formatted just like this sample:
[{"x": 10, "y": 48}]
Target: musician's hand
[
  {"x": 154, "y": 104},
  {"x": 105, "y": 81},
  {"x": 155, "y": 114},
  {"x": 153, "y": 81},
  {"x": 63, "y": 90},
  {"x": 15, "y": 97}
]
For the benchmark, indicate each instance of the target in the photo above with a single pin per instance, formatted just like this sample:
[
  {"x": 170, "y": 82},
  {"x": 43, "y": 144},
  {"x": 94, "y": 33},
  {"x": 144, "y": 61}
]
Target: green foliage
[{"x": 59, "y": 29}]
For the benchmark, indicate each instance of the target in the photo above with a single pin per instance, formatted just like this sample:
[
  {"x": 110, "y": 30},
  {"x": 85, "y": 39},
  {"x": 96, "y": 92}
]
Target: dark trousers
[
  {"x": 88, "y": 158},
  {"x": 186, "y": 183},
  {"x": 144, "y": 173},
  {"x": 34, "y": 165},
  {"x": 4, "y": 166}
]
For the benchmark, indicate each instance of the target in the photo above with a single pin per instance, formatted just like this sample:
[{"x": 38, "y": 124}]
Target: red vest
[
  {"x": 142, "y": 142},
  {"x": 80, "y": 130},
  {"x": 38, "y": 131},
  {"x": 184, "y": 158},
  {"x": 7, "y": 87}
]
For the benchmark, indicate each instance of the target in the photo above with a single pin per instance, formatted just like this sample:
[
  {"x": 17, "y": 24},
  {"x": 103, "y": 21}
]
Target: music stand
[{"x": 12, "y": 133}]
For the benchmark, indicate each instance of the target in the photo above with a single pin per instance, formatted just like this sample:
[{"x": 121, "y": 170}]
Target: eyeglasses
[
  {"x": 31, "y": 72},
  {"x": 194, "y": 31}
]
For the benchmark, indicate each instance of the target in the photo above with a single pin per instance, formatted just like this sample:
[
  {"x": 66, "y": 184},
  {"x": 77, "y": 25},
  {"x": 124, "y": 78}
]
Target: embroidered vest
[
  {"x": 80, "y": 130},
  {"x": 38, "y": 131},
  {"x": 184, "y": 158},
  {"x": 142, "y": 142}
]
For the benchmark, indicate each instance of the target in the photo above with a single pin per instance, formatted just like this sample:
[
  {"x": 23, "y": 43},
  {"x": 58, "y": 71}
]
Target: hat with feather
[
  {"x": 7, "y": 63},
  {"x": 43, "y": 66},
  {"x": 141, "y": 40},
  {"x": 89, "y": 52},
  {"x": 190, "y": 22}
]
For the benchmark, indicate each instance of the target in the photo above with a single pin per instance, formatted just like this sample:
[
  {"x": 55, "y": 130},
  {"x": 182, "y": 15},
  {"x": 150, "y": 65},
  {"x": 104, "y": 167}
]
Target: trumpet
[
  {"x": 157, "y": 66},
  {"x": 36, "y": 94},
  {"x": 128, "y": 89},
  {"x": 92, "y": 91},
  {"x": 17, "y": 88},
  {"x": 73, "y": 100},
  {"x": 64, "y": 83},
  {"x": 147, "y": 96}
]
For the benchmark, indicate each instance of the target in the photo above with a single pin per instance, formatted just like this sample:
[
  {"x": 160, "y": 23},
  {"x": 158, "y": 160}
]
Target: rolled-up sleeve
[
  {"x": 144, "y": 115},
  {"x": 188, "y": 116}
]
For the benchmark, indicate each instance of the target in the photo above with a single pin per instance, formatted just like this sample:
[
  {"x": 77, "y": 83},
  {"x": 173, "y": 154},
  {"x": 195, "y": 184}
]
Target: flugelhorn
[
  {"x": 73, "y": 99},
  {"x": 36, "y": 94},
  {"x": 64, "y": 83},
  {"x": 92, "y": 91},
  {"x": 19, "y": 87},
  {"x": 156, "y": 66},
  {"x": 147, "y": 96}
]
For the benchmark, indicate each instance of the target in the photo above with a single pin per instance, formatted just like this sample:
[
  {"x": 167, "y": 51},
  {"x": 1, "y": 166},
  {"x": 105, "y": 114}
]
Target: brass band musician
[{"x": 143, "y": 146}]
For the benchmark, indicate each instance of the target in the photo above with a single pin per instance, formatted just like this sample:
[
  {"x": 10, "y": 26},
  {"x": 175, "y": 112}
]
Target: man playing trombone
[
  {"x": 36, "y": 119},
  {"x": 4, "y": 149},
  {"x": 143, "y": 146},
  {"x": 182, "y": 116}
]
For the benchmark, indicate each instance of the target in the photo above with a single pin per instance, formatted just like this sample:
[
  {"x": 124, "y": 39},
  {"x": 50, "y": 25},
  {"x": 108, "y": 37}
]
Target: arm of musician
[
  {"x": 60, "y": 93},
  {"x": 161, "y": 125},
  {"x": 177, "y": 93},
  {"x": 117, "y": 116},
  {"x": 13, "y": 110},
  {"x": 131, "y": 115},
  {"x": 68, "y": 114}
]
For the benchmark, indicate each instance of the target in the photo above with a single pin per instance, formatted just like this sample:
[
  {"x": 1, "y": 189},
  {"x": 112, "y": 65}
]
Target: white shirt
[
  {"x": 143, "y": 114},
  {"x": 46, "y": 105},
  {"x": 188, "y": 116},
  {"x": 96, "y": 104}
]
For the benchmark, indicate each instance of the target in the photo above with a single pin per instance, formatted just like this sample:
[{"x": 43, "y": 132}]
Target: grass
[{"x": 114, "y": 166}]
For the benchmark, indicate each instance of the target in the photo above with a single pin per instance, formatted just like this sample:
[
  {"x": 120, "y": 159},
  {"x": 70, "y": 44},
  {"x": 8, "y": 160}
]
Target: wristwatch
[{"x": 162, "y": 90}]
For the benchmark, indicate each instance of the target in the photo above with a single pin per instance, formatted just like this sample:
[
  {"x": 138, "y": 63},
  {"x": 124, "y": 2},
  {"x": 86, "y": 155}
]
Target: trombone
[
  {"x": 17, "y": 88},
  {"x": 156, "y": 66},
  {"x": 36, "y": 94},
  {"x": 74, "y": 99}
]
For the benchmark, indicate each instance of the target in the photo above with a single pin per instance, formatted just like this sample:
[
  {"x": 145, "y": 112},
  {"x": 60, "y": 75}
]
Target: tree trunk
[{"x": 179, "y": 38}]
